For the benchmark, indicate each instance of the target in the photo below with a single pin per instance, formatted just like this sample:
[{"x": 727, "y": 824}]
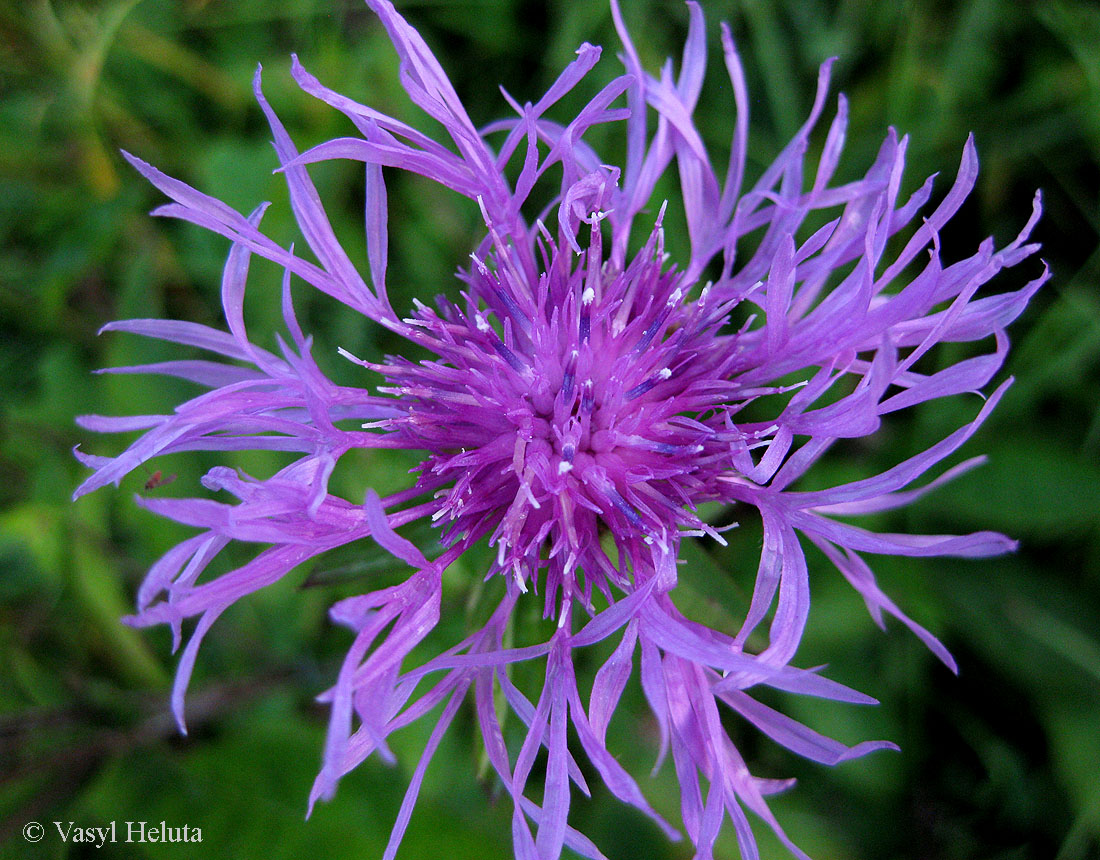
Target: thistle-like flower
[{"x": 585, "y": 397}]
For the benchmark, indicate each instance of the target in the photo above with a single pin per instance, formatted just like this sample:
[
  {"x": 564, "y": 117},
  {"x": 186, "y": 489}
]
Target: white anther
[
  {"x": 664, "y": 373},
  {"x": 588, "y": 296},
  {"x": 484, "y": 212},
  {"x": 481, "y": 267},
  {"x": 564, "y": 467},
  {"x": 349, "y": 355}
]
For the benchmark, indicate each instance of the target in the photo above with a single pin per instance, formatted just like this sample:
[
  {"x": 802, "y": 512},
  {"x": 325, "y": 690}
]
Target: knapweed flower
[{"x": 585, "y": 395}]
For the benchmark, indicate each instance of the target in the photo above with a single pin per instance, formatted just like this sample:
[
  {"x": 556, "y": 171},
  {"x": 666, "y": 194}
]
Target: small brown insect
[{"x": 158, "y": 479}]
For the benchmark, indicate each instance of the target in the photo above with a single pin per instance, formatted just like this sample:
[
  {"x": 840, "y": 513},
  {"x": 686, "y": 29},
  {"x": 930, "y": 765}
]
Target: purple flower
[{"x": 585, "y": 396}]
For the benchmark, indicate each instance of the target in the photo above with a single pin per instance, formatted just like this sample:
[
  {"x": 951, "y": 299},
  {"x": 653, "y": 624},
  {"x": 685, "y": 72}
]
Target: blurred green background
[{"x": 1001, "y": 762}]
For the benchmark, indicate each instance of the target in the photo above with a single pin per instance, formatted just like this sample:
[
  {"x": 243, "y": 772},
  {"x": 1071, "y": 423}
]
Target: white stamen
[
  {"x": 481, "y": 267},
  {"x": 527, "y": 492},
  {"x": 664, "y": 373},
  {"x": 588, "y": 296},
  {"x": 564, "y": 467},
  {"x": 349, "y": 356},
  {"x": 565, "y": 604},
  {"x": 484, "y": 212}
]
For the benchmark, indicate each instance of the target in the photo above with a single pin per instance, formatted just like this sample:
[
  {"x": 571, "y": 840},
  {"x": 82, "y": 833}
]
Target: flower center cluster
[
  {"x": 573, "y": 429},
  {"x": 559, "y": 413}
]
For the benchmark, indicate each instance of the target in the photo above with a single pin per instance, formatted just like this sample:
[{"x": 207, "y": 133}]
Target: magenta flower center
[{"x": 569, "y": 409}]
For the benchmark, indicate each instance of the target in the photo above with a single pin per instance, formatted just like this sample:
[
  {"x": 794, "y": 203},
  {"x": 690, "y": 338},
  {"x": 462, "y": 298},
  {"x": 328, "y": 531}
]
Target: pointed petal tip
[
  {"x": 300, "y": 74},
  {"x": 139, "y": 164},
  {"x": 970, "y": 155},
  {"x": 866, "y": 748},
  {"x": 177, "y": 712},
  {"x": 876, "y": 746},
  {"x": 323, "y": 789}
]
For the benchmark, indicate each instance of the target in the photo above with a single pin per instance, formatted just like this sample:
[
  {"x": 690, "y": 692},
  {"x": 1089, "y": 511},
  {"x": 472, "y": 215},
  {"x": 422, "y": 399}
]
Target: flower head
[{"x": 585, "y": 395}]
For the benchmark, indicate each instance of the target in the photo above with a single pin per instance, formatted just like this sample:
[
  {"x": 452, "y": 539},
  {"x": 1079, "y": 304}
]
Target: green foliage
[{"x": 999, "y": 763}]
